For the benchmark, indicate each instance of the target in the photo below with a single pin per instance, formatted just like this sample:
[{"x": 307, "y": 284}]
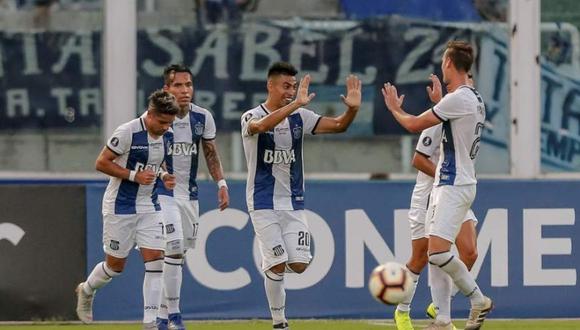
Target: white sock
[
  {"x": 172, "y": 278},
  {"x": 274, "y": 284},
  {"x": 99, "y": 277},
  {"x": 405, "y": 306},
  {"x": 460, "y": 275},
  {"x": 440, "y": 284},
  {"x": 152, "y": 286}
]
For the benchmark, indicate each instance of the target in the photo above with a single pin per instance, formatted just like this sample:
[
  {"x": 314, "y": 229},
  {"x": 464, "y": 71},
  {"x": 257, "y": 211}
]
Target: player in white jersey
[
  {"x": 273, "y": 134},
  {"x": 425, "y": 160},
  {"x": 131, "y": 213},
  {"x": 193, "y": 126},
  {"x": 462, "y": 114}
]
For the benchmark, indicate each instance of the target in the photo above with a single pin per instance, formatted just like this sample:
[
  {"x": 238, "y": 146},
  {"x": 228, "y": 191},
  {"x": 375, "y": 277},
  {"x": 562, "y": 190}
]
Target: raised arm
[
  {"x": 215, "y": 169},
  {"x": 270, "y": 121},
  {"x": 413, "y": 124},
  {"x": 352, "y": 101}
]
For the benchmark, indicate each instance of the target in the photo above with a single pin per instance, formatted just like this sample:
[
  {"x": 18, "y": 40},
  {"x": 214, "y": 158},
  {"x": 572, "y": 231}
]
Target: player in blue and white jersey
[
  {"x": 273, "y": 136},
  {"x": 425, "y": 160},
  {"x": 462, "y": 114},
  {"x": 131, "y": 212},
  {"x": 193, "y": 126}
]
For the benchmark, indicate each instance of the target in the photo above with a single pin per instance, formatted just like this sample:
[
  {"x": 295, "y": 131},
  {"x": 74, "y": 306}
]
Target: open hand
[
  {"x": 302, "y": 96},
  {"x": 392, "y": 99},
  {"x": 435, "y": 93},
  {"x": 353, "y": 92}
]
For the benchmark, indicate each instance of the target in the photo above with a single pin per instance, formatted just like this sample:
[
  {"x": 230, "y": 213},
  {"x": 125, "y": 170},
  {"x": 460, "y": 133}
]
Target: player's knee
[
  {"x": 117, "y": 265},
  {"x": 417, "y": 263},
  {"x": 298, "y": 267},
  {"x": 469, "y": 257},
  {"x": 440, "y": 258},
  {"x": 278, "y": 269},
  {"x": 175, "y": 248}
]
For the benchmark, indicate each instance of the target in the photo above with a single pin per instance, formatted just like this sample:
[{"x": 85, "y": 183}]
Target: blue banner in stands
[{"x": 527, "y": 242}]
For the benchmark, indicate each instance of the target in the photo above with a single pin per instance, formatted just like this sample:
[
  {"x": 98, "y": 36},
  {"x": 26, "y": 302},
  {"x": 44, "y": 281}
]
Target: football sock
[
  {"x": 405, "y": 306},
  {"x": 460, "y": 275},
  {"x": 172, "y": 278},
  {"x": 274, "y": 284},
  {"x": 99, "y": 277},
  {"x": 152, "y": 286},
  {"x": 440, "y": 284}
]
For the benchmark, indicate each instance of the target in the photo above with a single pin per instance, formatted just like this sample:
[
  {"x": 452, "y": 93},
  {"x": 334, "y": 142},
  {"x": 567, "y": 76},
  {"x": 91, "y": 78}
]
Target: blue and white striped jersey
[
  {"x": 183, "y": 155},
  {"x": 463, "y": 115},
  {"x": 137, "y": 150},
  {"x": 275, "y": 165}
]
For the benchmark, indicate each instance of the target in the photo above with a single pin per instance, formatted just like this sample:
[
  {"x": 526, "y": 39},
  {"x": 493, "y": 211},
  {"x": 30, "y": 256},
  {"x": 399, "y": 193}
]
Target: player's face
[
  {"x": 282, "y": 89},
  {"x": 181, "y": 87},
  {"x": 158, "y": 123}
]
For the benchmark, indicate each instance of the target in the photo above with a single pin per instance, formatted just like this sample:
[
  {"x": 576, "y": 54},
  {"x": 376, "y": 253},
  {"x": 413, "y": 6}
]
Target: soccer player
[
  {"x": 425, "y": 159},
  {"x": 131, "y": 212},
  {"x": 272, "y": 135},
  {"x": 462, "y": 114},
  {"x": 180, "y": 206}
]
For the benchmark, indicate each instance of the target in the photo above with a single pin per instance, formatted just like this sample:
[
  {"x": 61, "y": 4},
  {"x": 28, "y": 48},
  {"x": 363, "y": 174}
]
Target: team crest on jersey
[
  {"x": 198, "y": 129},
  {"x": 278, "y": 250},
  {"x": 114, "y": 245},
  {"x": 169, "y": 228},
  {"x": 297, "y": 132},
  {"x": 114, "y": 141},
  {"x": 427, "y": 141}
]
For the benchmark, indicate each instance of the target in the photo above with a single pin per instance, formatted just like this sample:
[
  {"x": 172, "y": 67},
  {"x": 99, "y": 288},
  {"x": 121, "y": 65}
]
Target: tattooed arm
[{"x": 215, "y": 169}]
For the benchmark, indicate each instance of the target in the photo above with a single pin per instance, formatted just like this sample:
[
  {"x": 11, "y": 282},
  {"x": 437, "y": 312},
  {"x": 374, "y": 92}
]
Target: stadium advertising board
[
  {"x": 42, "y": 248},
  {"x": 527, "y": 244}
]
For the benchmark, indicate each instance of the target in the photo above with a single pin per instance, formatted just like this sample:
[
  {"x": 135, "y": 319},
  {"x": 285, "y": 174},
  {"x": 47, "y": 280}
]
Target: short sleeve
[
  {"x": 310, "y": 120},
  {"x": 210, "y": 131},
  {"x": 451, "y": 106},
  {"x": 120, "y": 140},
  {"x": 247, "y": 117},
  {"x": 429, "y": 140}
]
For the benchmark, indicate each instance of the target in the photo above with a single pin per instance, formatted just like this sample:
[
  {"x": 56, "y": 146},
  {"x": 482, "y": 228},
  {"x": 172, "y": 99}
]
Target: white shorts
[
  {"x": 448, "y": 209},
  {"x": 122, "y": 231},
  {"x": 417, "y": 218},
  {"x": 180, "y": 217},
  {"x": 283, "y": 237}
]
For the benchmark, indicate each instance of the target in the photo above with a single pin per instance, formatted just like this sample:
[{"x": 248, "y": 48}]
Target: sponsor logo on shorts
[
  {"x": 278, "y": 250},
  {"x": 114, "y": 245},
  {"x": 169, "y": 228}
]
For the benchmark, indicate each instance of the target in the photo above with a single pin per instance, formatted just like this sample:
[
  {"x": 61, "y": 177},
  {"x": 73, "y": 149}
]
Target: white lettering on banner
[
  {"x": 406, "y": 74},
  {"x": 319, "y": 266},
  {"x": 253, "y": 48},
  {"x": 11, "y": 232},
  {"x": 535, "y": 247},
  {"x": 30, "y": 55},
  {"x": 61, "y": 95},
  {"x": 90, "y": 98},
  {"x": 231, "y": 109},
  {"x": 345, "y": 66},
  {"x": 215, "y": 45},
  {"x": 493, "y": 238},
  {"x": 299, "y": 48},
  {"x": 197, "y": 262},
  {"x": 361, "y": 235},
  {"x": 163, "y": 44},
  {"x": 80, "y": 45},
  {"x": 17, "y": 101}
]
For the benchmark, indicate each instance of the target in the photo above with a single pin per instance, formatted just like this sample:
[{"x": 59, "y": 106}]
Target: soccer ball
[{"x": 390, "y": 283}]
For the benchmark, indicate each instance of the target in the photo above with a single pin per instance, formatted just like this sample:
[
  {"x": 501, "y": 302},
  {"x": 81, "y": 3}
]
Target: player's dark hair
[
  {"x": 162, "y": 102},
  {"x": 282, "y": 68},
  {"x": 461, "y": 54},
  {"x": 170, "y": 71}
]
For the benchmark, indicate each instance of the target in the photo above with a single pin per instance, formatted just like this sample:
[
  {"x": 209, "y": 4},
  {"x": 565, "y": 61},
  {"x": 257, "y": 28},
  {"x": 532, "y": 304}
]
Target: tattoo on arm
[{"x": 212, "y": 159}]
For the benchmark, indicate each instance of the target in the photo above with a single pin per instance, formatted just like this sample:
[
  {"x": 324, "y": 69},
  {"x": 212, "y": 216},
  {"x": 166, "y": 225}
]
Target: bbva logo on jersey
[
  {"x": 279, "y": 156},
  {"x": 182, "y": 148}
]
